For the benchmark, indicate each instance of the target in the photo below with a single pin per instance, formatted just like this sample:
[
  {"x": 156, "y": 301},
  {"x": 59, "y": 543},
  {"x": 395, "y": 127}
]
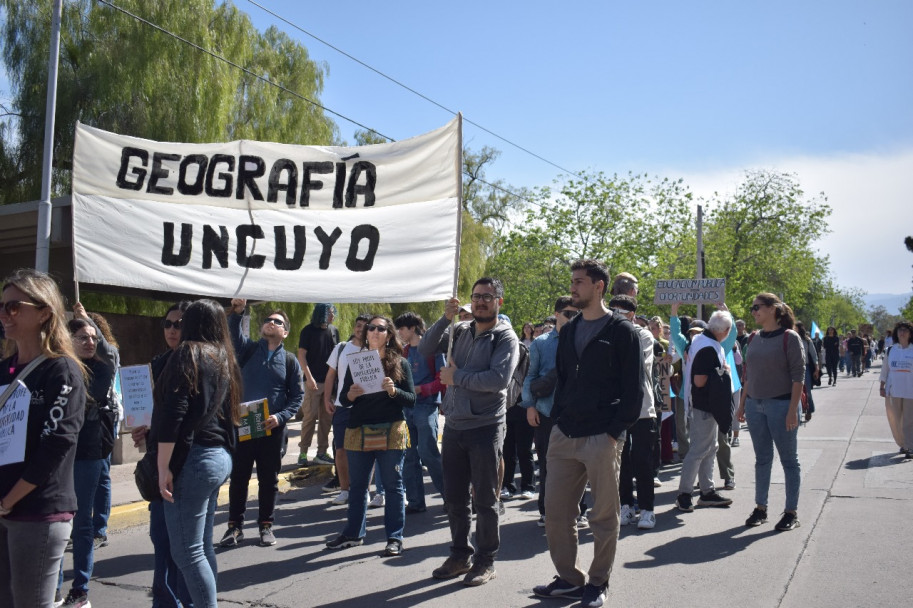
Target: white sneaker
[
  {"x": 627, "y": 515},
  {"x": 377, "y": 502},
  {"x": 647, "y": 520},
  {"x": 505, "y": 494},
  {"x": 657, "y": 483},
  {"x": 341, "y": 498}
]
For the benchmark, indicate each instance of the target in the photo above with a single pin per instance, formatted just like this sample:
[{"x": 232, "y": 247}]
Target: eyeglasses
[
  {"x": 483, "y": 297},
  {"x": 371, "y": 327},
  {"x": 168, "y": 324},
  {"x": 86, "y": 339},
  {"x": 755, "y": 308},
  {"x": 569, "y": 314},
  {"x": 12, "y": 307},
  {"x": 274, "y": 321}
]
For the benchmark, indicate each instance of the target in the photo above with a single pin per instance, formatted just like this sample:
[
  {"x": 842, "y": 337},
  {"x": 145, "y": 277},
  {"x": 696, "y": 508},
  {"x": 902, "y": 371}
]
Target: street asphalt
[{"x": 851, "y": 549}]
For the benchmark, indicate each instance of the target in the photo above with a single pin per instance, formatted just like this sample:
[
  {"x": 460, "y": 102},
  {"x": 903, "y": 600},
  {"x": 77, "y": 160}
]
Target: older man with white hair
[{"x": 710, "y": 409}]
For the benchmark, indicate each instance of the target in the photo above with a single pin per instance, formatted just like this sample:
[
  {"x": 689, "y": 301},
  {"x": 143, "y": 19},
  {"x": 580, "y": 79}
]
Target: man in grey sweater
[{"x": 485, "y": 353}]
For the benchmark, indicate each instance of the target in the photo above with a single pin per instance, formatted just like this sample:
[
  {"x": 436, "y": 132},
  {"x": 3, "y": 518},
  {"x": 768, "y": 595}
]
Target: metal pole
[
  {"x": 459, "y": 234},
  {"x": 43, "y": 238},
  {"x": 700, "y": 255}
]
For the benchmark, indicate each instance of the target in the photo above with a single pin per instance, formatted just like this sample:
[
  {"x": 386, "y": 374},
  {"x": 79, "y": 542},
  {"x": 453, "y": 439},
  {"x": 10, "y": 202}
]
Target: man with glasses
[
  {"x": 267, "y": 371},
  {"x": 485, "y": 353}
]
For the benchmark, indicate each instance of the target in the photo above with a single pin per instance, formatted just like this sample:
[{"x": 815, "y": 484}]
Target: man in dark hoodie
[
  {"x": 317, "y": 341},
  {"x": 598, "y": 397}
]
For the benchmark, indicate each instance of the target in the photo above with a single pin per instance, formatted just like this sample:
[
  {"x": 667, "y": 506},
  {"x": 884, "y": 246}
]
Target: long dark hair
[
  {"x": 829, "y": 330},
  {"x": 204, "y": 335},
  {"x": 782, "y": 312},
  {"x": 74, "y": 325},
  {"x": 393, "y": 350}
]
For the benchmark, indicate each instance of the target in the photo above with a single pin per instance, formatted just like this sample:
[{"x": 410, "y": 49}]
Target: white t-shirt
[
  {"x": 339, "y": 361},
  {"x": 897, "y": 372}
]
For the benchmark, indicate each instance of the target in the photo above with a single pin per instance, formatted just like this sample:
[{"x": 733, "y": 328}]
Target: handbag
[
  {"x": 146, "y": 476},
  {"x": 544, "y": 386}
]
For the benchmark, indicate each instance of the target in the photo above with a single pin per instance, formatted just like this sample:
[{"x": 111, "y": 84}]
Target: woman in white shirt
[{"x": 897, "y": 387}]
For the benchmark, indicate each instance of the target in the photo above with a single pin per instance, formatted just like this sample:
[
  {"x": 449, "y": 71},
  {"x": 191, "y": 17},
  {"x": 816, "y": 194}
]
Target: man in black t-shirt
[
  {"x": 856, "y": 346},
  {"x": 317, "y": 341}
]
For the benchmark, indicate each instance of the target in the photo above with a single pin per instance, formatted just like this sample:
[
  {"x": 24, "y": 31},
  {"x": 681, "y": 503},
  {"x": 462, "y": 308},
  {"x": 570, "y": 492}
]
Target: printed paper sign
[
  {"x": 269, "y": 221},
  {"x": 14, "y": 419},
  {"x": 253, "y": 416},
  {"x": 367, "y": 370},
  {"x": 136, "y": 388},
  {"x": 690, "y": 291}
]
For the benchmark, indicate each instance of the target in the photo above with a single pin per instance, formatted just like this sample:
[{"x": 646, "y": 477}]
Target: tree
[
  {"x": 761, "y": 239},
  {"x": 124, "y": 76},
  {"x": 883, "y": 321}
]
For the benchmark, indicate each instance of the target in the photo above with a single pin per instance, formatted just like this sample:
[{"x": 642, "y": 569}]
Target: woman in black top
[
  {"x": 831, "y": 354},
  {"x": 377, "y": 433},
  {"x": 195, "y": 412},
  {"x": 37, "y": 498}
]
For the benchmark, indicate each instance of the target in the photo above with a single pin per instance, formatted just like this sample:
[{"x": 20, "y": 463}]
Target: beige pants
[
  {"x": 571, "y": 462},
  {"x": 900, "y": 419},
  {"x": 313, "y": 413}
]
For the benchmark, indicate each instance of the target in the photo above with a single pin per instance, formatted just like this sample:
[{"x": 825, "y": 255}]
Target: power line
[
  {"x": 290, "y": 92},
  {"x": 413, "y": 91}
]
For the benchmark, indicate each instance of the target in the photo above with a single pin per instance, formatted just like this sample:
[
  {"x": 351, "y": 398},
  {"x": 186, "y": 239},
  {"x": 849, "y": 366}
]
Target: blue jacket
[
  {"x": 542, "y": 354},
  {"x": 275, "y": 375}
]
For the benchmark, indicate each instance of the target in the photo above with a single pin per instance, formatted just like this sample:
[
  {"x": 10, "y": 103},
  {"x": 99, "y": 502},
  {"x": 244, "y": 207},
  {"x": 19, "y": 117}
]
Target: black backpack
[{"x": 515, "y": 386}]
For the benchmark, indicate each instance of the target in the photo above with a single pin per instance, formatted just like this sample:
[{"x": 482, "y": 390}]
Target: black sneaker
[
  {"x": 789, "y": 521},
  {"x": 683, "y": 503},
  {"x": 757, "y": 517},
  {"x": 331, "y": 487},
  {"x": 712, "y": 499},
  {"x": 452, "y": 568},
  {"x": 344, "y": 542},
  {"x": 267, "y": 538},
  {"x": 593, "y": 596},
  {"x": 394, "y": 548},
  {"x": 479, "y": 574},
  {"x": 559, "y": 588},
  {"x": 77, "y": 599},
  {"x": 100, "y": 541},
  {"x": 233, "y": 536}
]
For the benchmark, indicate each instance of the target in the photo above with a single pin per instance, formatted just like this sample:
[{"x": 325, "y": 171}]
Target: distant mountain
[{"x": 893, "y": 302}]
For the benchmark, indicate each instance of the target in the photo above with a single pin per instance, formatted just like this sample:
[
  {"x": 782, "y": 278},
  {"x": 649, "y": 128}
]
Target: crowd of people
[{"x": 603, "y": 396}]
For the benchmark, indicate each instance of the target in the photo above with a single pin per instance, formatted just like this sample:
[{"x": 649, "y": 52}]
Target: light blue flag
[{"x": 816, "y": 331}]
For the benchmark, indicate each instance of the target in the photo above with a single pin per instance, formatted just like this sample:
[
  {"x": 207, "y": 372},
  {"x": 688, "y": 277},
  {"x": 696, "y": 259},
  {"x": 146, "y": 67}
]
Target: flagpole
[
  {"x": 45, "y": 209},
  {"x": 459, "y": 229}
]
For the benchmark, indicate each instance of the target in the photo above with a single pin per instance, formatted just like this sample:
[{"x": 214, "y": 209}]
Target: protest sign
[
  {"x": 136, "y": 388},
  {"x": 269, "y": 221},
  {"x": 14, "y": 420},
  {"x": 367, "y": 370},
  {"x": 690, "y": 291},
  {"x": 253, "y": 415}
]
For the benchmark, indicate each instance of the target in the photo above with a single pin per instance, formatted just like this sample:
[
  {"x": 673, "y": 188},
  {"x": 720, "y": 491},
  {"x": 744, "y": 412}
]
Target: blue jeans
[
  {"x": 190, "y": 519},
  {"x": 390, "y": 462},
  {"x": 168, "y": 587},
  {"x": 423, "y": 428},
  {"x": 86, "y": 477},
  {"x": 767, "y": 425},
  {"x": 102, "y": 508}
]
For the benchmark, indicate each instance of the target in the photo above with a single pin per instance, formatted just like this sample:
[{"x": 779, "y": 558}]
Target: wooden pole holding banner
[
  {"x": 459, "y": 231},
  {"x": 45, "y": 209},
  {"x": 700, "y": 255}
]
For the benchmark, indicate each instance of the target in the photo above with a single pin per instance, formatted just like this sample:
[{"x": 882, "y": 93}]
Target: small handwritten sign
[
  {"x": 690, "y": 291},
  {"x": 14, "y": 419},
  {"x": 136, "y": 388},
  {"x": 367, "y": 370}
]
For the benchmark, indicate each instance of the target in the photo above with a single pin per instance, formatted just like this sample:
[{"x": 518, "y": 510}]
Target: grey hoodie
[{"x": 486, "y": 363}]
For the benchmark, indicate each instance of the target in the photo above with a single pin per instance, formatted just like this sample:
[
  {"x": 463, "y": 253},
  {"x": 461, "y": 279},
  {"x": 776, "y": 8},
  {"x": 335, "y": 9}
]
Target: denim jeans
[
  {"x": 190, "y": 519},
  {"x": 767, "y": 425},
  {"x": 423, "y": 428},
  {"x": 390, "y": 462},
  {"x": 168, "y": 587},
  {"x": 31, "y": 554},
  {"x": 86, "y": 477},
  {"x": 472, "y": 458},
  {"x": 102, "y": 507}
]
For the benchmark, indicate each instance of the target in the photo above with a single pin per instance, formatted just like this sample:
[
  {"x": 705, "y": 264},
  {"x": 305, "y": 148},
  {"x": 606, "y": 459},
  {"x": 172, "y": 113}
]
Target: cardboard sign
[
  {"x": 690, "y": 291},
  {"x": 136, "y": 388},
  {"x": 367, "y": 370},
  {"x": 253, "y": 416},
  {"x": 14, "y": 420}
]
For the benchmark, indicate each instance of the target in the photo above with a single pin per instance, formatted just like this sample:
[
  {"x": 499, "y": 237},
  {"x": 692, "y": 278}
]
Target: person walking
[{"x": 897, "y": 387}]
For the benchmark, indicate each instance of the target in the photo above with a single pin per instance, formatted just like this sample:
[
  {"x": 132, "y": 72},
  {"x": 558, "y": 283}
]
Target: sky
[{"x": 700, "y": 90}]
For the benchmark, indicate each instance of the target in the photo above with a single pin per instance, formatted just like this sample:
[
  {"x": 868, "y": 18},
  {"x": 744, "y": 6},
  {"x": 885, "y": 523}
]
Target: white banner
[{"x": 269, "y": 221}]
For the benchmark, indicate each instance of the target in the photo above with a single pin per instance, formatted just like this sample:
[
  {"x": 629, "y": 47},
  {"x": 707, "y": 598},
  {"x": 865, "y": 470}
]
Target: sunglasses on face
[
  {"x": 371, "y": 327},
  {"x": 168, "y": 324},
  {"x": 12, "y": 307},
  {"x": 483, "y": 297},
  {"x": 85, "y": 339},
  {"x": 569, "y": 314},
  {"x": 275, "y": 321},
  {"x": 755, "y": 308}
]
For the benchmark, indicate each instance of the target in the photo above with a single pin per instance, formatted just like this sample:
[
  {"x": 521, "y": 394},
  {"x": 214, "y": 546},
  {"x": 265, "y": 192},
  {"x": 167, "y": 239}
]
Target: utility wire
[
  {"x": 293, "y": 93},
  {"x": 411, "y": 90}
]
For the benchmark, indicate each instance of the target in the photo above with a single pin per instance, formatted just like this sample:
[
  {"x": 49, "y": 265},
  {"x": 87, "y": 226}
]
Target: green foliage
[
  {"x": 124, "y": 76},
  {"x": 883, "y": 321},
  {"x": 907, "y": 311},
  {"x": 833, "y": 306}
]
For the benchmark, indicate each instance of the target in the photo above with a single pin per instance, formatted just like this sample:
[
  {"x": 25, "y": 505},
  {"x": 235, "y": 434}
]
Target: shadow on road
[{"x": 701, "y": 549}]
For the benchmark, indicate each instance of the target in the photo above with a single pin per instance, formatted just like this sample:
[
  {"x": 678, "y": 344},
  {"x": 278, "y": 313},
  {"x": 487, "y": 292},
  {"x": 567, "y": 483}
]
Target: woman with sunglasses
[
  {"x": 168, "y": 587},
  {"x": 37, "y": 496},
  {"x": 774, "y": 378},
  {"x": 194, "y": 418},
  {"x": 377, "y": 433},
  {"x": 94, "y": 445}
]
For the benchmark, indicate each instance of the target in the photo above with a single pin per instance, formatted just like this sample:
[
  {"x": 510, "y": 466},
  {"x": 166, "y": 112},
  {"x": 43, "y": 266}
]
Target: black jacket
[{"x": 601, "y": 392}]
